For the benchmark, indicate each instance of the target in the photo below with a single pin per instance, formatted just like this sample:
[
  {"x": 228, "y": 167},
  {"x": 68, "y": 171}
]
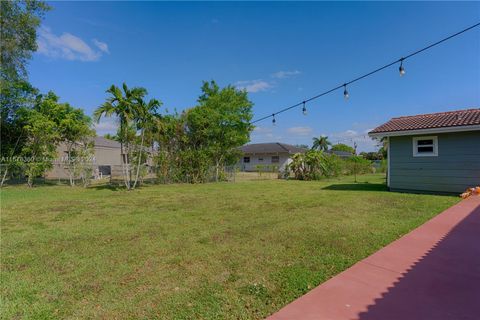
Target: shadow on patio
[
  {"x": 444, "y": 284},
  {"x": 431, "y": 273}
]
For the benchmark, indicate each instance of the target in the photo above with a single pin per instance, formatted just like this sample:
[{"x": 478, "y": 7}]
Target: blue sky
[{"x": 280, "y": 52}]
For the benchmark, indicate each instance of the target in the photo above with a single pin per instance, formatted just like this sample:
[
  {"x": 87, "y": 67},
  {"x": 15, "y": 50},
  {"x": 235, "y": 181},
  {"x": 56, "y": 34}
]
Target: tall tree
[
  {"x": 74, "y": 128},
  {"x": 18, "y": 31},
  {"x": 220, "y": 123},
  {"x": 383, "y": 147},
  {"x": 84, "y": 152},
  {"x": 321, "y": 143},
  {"x": 123, "y": 105},
  {"x": 169, "y": 135},
  {"x": 343, "y": 147},
  {"x": 145, "y": 116},
  {"x": 18, "y": 23},
  {"x": 63, "y": 124},
  {"x": 42, "y": 135}
]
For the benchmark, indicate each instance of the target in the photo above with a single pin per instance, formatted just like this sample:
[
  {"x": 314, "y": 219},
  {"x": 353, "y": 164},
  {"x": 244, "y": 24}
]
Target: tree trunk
[
  {"x": 217, "y": 168},
  {"x": 355, "y": 171},
  {"x": 124, "y": 170},
  {"x": 70, "y": 169},
  {"x": 139, "y": 160},
  {"x": 30, "y": 181},
  {"x": 129, "y": 169},
  {"x": 72, "y": 177},
  {"x": 125, "y": 164},
  {"x": 4, "y": 177}
]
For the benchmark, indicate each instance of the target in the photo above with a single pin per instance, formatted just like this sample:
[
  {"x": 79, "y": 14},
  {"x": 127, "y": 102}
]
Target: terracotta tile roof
[{"x": 457, "y": 118}]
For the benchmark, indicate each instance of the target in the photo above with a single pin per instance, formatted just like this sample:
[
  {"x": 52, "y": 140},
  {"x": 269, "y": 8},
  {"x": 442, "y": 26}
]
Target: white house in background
[{"x": 267, "y": 155}]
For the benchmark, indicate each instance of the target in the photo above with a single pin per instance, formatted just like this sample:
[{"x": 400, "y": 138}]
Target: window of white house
[
  {"x": 425, "y": 146},
  {"x": 246, "y": 159},
  {"x": 260, "y": 159},
  {"x": 275, "y": 159}
]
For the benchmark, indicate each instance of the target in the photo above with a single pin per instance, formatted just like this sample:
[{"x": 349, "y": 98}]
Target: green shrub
[
  {"x": 261, "y": 168},
  {"x": 383, "y": 166},
  {"x": 313, "y": 165},
  {"x": 357, "y": 165}
]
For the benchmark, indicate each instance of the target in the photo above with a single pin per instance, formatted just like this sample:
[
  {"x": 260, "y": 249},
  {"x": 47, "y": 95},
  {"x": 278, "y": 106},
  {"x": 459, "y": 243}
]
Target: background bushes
[{"x": 314, "y": 165}]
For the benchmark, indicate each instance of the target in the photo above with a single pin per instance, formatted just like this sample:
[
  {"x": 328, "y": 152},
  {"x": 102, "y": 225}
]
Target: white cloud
[
  {"x": 259, "y": 85},
  {"x": 350, "y": 133},
  {"x": 300, "y": 131},
  {"x": 106, "y": 125},
  {"x": 253, "y": 85},
  {"x": 101, "y": 45},
  {"x": 349, "y": 137},
  {"x": 265, "y": 134},
  {"x": 285, "y": 74},
  {"x": 343, "y": 136},
  {"x": 262, "y": 130},
  {"x": 67, "y": 46}
]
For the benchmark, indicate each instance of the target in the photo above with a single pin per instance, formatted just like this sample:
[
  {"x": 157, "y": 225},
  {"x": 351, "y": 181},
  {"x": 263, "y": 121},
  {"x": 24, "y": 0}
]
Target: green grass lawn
[{"x": 213, "y": 251}]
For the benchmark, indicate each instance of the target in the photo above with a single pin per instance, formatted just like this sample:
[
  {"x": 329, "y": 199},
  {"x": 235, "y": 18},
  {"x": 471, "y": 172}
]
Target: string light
[
  {"x": 345, "y": 93},
  {"x": 304, "y": 109},
  {"x": 401, "y": 69}
]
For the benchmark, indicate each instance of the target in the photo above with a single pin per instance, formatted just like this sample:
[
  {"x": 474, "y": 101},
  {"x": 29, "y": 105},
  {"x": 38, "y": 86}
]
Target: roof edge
[
  {"x": 283, "y": 147},
  {"x": 436, "y": 113},
  {"x": 474, "y": 127}
]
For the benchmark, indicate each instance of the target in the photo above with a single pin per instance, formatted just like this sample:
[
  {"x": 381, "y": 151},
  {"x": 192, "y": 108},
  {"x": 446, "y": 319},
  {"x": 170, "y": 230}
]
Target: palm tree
[
  {"x": 122, "y": 105},
  {"x": 145, "y": 116},
  {"x": 321, "y": 143}
]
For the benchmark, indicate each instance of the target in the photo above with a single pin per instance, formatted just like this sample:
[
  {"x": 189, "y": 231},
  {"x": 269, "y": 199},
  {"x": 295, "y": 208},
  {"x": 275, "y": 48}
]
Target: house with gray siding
[
  {"x": 106, "y": 160},
  {"x": 437, "y": 152},
  {"x": 267, "y": 156}
]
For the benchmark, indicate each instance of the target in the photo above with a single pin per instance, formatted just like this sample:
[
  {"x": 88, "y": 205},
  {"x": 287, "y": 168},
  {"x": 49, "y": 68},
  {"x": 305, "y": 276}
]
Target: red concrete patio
[{"x": 431, "y": 273}]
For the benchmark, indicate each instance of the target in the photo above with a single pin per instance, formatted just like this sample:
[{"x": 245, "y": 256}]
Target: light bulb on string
[
  {"x": 401, "y": 69},
  {"x": 304, "y": 109},
  {"x": 345, "y": 92}
]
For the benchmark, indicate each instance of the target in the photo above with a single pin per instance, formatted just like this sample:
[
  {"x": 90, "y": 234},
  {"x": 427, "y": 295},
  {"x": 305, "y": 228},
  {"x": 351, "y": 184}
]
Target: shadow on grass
[
  {"x": 111, "y": 187},
  {"x": 361, "y": 186},
  {"x": 38, "y": 182},
  {"x": 119, "y": 186}
]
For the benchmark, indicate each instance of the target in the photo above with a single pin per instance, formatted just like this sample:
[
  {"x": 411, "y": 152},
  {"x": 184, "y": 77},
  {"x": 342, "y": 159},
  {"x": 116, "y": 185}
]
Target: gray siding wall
[
  {"x": 456, "y": 167},
  {"x": 102, "y": 156}
]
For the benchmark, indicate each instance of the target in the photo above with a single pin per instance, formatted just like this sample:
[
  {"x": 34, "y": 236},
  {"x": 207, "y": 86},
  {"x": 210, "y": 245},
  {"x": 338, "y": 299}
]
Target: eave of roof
[
  {"x": 424, "y": 131},
  {"x": 450, "y": 121}
]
